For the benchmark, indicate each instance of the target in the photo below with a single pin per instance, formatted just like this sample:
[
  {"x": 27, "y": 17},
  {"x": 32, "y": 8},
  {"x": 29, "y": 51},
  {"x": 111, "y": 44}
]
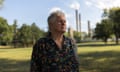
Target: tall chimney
[
  {"x": 79, "y": 22},
  {"x": 76, "y": 13},
  {"x": 89, "y": 29}
]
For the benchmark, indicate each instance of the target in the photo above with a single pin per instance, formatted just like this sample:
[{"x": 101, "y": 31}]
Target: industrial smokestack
[
  {"x": 80, "y": 22},
  {"x": 76, "y": 14},
  {"x": 89, "y": 29}
]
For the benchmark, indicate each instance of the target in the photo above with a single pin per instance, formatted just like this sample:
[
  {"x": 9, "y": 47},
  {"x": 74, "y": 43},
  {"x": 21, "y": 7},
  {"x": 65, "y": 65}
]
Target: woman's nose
[{"x": 63, "y": 22}]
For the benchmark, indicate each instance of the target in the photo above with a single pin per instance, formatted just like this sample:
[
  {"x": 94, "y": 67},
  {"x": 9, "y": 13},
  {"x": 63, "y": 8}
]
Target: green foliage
[
  {"x": 114, "y": 16},
  {"x": 77, "y": 36},
  {"x": 25, "y": 34},
  {"x": 109, "y": 25},
  {"x": 6, "y": 34},
  {"x": 29, "y": 34},
  {"x": 103, "y": 30},
  {"x": 36, "y": 32}
]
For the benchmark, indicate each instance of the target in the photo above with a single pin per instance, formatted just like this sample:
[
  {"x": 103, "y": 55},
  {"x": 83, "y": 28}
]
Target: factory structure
[{"x": 78, "y": 27}]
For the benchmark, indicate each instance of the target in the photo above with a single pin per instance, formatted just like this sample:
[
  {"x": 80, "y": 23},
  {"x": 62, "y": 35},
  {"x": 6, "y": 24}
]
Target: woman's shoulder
[{"x": 42, "y": 40}]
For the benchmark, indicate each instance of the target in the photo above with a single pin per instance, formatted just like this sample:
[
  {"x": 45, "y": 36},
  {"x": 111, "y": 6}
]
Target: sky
[{"x": 29, "y": 11}]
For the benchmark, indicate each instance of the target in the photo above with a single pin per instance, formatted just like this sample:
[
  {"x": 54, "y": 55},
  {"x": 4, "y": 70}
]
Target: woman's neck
[{"x": 57, "y": 36}]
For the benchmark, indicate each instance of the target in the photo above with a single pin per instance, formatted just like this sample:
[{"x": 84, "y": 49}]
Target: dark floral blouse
[{"x": 47, "y": 57}]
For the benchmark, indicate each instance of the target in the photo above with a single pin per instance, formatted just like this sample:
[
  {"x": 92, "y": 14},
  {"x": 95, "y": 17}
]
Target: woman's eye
[{"x": 59, "y": 22}]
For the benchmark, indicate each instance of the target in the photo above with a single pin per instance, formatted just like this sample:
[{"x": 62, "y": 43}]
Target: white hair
[{"x": 52, "y": 17}]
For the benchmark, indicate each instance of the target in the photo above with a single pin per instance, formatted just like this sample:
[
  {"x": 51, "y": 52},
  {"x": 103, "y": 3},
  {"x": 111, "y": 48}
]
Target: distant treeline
[{"x": 24, "y": 36}]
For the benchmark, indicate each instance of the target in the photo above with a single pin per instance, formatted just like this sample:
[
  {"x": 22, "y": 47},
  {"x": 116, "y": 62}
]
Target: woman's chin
[{"x": 63, "y": 31}]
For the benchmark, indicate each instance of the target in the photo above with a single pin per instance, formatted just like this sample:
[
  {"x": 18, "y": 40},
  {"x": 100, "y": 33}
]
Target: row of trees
[
  {"x": 24, "y": 36},
  {"x": 109, "y": 25}
]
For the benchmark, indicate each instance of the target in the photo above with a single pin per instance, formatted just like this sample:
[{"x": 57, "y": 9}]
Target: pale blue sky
[{"x": 29, "y": 11}]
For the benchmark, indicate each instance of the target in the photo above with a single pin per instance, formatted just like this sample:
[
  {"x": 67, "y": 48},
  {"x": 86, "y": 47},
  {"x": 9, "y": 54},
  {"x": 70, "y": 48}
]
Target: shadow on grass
[
  {"x": 96, "y": 45},
  {"x": 7, "y": 65},
  {"x": 107, "y": 61}
]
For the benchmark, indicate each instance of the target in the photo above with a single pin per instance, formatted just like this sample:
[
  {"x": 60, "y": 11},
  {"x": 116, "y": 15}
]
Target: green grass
[
  {"x": 99, "y": 58},
  {"x": 15, "y": 60},
  {"x": 94, "y": 57}
]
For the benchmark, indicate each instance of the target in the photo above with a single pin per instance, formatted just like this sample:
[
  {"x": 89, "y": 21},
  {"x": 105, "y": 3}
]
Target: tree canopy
[
  {"x": 6, "y": 34},
  {"x": 103, "y": 30},
  {"x": 114, "y": 16},
  {"x": 110, "y": 23},
  {"x": 24, "y": 36}
]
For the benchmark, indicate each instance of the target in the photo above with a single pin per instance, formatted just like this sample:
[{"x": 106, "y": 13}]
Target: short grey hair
[{"x": 52, "y": 17}]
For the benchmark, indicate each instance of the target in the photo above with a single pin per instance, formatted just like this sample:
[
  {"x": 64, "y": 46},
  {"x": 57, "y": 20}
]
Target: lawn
[
  {"x": 93, "y": 58},
  {"x": 15, "y": 60},
  {"x": 99, "y": 58}
]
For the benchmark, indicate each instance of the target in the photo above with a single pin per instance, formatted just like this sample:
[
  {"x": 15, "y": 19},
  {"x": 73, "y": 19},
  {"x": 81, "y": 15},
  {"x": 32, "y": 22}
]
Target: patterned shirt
[{"x": 47, "y": 57}]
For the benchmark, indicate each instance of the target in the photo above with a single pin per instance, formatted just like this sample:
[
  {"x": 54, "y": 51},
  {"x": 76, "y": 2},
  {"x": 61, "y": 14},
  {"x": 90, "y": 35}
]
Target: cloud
[
  {"x": 58, "y": 8},
  {"x": 102, "y": 4},
  {"x": 75, "y": 5},
  {"x": 88, "y": 3},
  {"x": 55, "y": 9}
]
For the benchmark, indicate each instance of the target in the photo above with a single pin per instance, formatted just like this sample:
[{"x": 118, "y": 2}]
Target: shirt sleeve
[{"x": 35, "y": 59}]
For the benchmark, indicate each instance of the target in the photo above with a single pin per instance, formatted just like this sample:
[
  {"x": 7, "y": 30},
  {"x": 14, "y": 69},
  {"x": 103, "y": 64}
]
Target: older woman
[{"x": 55, "y": 52}]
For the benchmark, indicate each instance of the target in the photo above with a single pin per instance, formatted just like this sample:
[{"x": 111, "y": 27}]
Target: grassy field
[
  {"x": 94, "y": 57},
  {"x": 15, "y": 60}
]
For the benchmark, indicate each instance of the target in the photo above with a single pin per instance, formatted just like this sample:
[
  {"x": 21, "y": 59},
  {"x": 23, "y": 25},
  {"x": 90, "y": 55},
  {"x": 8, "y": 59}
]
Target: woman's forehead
[{"x": 61, "y": 16}]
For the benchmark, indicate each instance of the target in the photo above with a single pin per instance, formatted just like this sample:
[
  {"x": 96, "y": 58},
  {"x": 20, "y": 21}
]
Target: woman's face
[{"x": 60, "y": 24}]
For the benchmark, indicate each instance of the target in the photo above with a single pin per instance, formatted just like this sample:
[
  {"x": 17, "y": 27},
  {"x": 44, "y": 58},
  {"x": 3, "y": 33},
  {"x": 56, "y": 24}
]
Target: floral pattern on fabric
[{"x": 47, "y": 57}]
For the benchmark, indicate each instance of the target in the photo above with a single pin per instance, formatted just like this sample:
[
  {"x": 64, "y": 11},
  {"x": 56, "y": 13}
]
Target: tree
[
  {"x": 15, "y": 41},
  {"x": 36, "y": 32},
  {"x": 6, "y": 34},
  {"x": 77, "y": 36},
  {"x": 24, "y": 35},
  {"x": 29, "y": 34},
  {"x": 113, "y": 15},
  {"x": 103, "y": 30}
]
